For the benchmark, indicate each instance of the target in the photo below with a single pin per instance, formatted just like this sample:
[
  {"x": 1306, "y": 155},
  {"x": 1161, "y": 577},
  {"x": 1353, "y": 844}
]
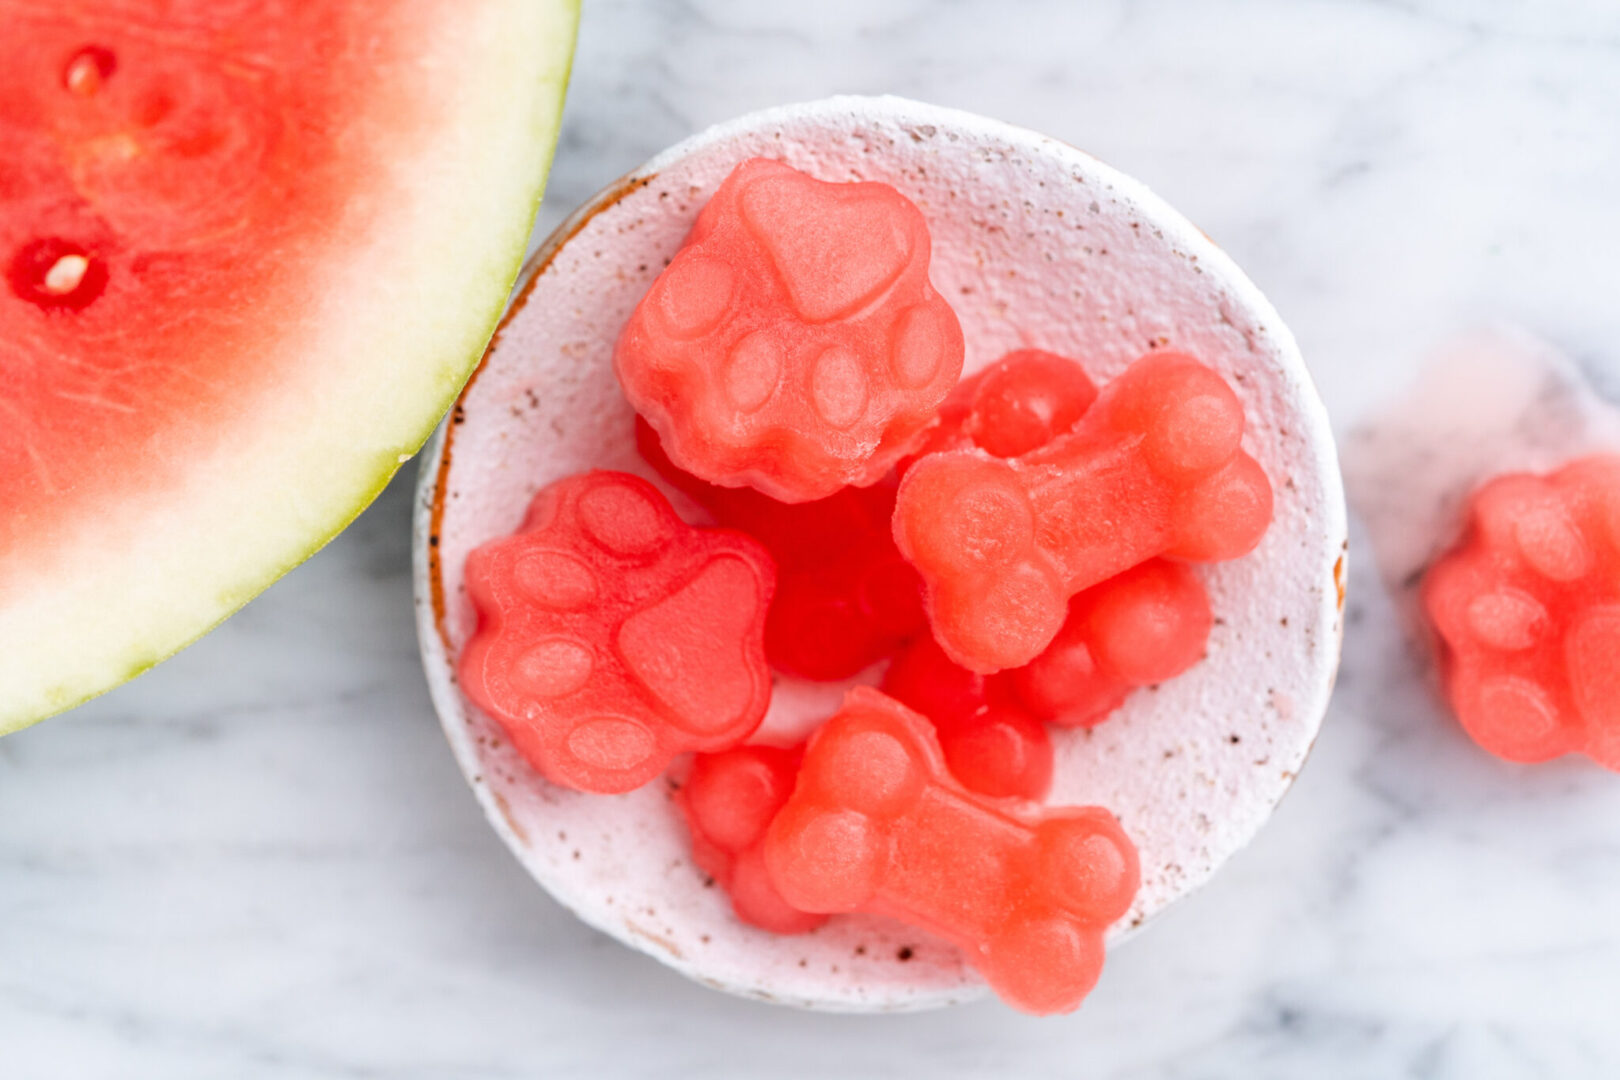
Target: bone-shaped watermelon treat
[
  {"x": 613, "y": 636},
  {"x": 729, "y": 799},
  {"x": 794, "y": 343},
  {"x": 877, "y": 824},
  {"x": 1135, "y": 629},
  {"x": 1139, "y": 628},
  {"x": 1154, "y": 468},
  {"x": 992, "y": 744},
  {"x": 1527, "y": 608},
  {"x": 845, "y": 598}
]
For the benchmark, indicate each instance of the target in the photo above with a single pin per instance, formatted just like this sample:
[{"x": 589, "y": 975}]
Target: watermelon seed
[
  {"x": 65, "y": 274},
  {"x": 88, "y": 69},
  {"x": 55, "y": 273}
]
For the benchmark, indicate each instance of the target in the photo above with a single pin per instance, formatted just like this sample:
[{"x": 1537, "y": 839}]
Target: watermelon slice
[{"x": 248, "y": 255}]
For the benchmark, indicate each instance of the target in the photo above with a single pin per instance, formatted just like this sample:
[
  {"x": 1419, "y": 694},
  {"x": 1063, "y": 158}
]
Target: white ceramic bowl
[{"x": 1035, "y": 244}]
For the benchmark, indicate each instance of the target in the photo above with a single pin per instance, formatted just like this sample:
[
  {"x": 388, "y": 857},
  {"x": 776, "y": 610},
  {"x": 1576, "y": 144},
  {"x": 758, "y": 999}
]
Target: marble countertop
[{"x": 259, "y": 860}]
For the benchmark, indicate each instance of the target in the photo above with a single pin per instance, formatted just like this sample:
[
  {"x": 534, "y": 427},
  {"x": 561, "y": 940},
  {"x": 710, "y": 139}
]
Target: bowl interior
[{"x": 1035, "y": 244}]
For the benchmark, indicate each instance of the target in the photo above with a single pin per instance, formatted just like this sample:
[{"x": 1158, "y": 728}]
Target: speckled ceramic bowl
[{"x": 1035, "y": 244}]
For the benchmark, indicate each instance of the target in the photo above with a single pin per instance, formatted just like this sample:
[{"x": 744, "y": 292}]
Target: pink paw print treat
[
  {"x": 991, "y": 744},
  {"x": 877, "y": 824},
  {"x": 1141, "y": 627},
  {"x": 1153, "y": 468},
  {"x": 1527, "y": 608},
  {"x": 729, "y": 799},
  {"x": 613, "y": 636},
  {"x": 794, "y": 344}
]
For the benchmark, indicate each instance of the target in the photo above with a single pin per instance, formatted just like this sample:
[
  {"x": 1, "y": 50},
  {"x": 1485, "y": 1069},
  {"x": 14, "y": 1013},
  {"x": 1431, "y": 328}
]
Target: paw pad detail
[
  {"x": 1527, "y": 609},
  {"x": 794, "y": 343},
  {"x": 878, "y": 824},
  {"x": 613, "y": 636}
]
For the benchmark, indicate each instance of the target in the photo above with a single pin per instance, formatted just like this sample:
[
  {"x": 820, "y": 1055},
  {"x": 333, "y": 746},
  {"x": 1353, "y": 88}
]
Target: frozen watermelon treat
[
  {"x": 1021, "y": 402},
  {"x": 729, "y": 800},
  {"x": 1135, "y": 629},
  {"x": 845, "y": 598},
  {"x": 1153, "y": 468},
  {"x": 1139, "y": 628},
  {"x": 1027, "y": 399},
  {"x": 613, "y": 636},
  {"x": 1527, "y": 610},
  {"x": 877, "y": 823},
  {"x": 991, "y": 742},
  {"x": 794, "y": 343}
]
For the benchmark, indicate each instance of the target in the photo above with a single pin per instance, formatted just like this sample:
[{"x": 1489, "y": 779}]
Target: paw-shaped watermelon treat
[
  {"x": 992, "y": 744},
  {"x": 877, "y": 824},
  {"x": 613, "y": 636},
  {"x": 1139, "y": 628},
  {"x": 1527, "y": 609},
  {"x": 1153, "y": 468},
  {"x": 794, "y": 343},
  {"x": 729, "y": 799}
]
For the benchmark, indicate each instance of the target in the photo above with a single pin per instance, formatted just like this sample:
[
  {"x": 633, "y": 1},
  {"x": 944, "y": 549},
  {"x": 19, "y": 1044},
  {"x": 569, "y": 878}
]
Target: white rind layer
[
  {"x": 403, "y": 322},
  {"x": 1035, "y": 244}
]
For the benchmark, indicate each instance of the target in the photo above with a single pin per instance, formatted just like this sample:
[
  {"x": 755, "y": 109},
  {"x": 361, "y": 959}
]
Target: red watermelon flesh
[{"x": 249, "y": 251}]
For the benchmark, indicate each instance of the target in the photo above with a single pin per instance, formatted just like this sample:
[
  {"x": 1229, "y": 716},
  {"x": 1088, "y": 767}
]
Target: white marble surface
[{"x": 259, "y": 860}]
